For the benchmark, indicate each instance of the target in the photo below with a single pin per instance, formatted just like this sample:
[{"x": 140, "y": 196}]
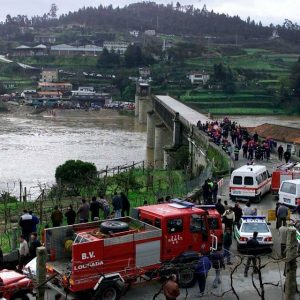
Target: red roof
[{"x": 278, "y": 132}]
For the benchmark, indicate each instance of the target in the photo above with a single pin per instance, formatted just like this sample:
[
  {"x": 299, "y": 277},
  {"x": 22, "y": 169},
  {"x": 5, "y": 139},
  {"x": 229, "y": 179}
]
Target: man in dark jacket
[
  {"x": 26, "y": 223},
  {"x": 252, "y": 247},
  {"x": 202, "y": 268},
  {"x": 280, "y": 152},
  {"x": 217, "y": 260},
  {"x": 117, "y": 205},
  {"x": 94, "y": 208},
  {"x": 220, "y": 207},
  {"x": 34, "y": 244},
  {"x": 56, "y": 217},
  {"x": 83, "y": 212},
  {"x": 287, "y": 156},
  {"x": 238, "y": 212},
  {"x": 125, "y": 205},
  {"x": 70, "y": 215}
]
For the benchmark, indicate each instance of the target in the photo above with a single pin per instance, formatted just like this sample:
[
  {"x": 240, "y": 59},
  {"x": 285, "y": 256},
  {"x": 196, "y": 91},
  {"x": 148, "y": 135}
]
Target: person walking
[
  {"x": 245, "y": 150},
  {"x": 205, "y": 191},
  {"x": 217, "y": 260},
  {"x": 282, "y": 213},
  {"x": 283, "y": 238},
  {"x": 220, "y": 207},
  {"x": 117, "y": 205},
  {"x": 236, "y": 153},
  {"x": 94, "y": 208},
  {"x": 228, "y": 218},
  {"x": 215, "y": 189},
  {"x": 23, "y": 252},
  {"x": 83, "y": 212},
  {"x": 252, "y": 247},
  {"x": 33, "y": 245},
  {"x": 280, "y": 152},
  {"x": 171, "y": 289},
  {"x": 202, "y": 268},
  {"x": 70, "y": 215},
  {"x": 287, "y": 156},
  {"x": 227, "y": 242},
  {"x": 276, "y": 210},
  {"x": 248, "y": 210},
  {"x": 104, "y": 206},
  {"x": 237, "y": 213},
  {"x": 35, "y": 221},
  {"x": 26, "y": 223},
  {"x": 126, "y": 205},
  {"x": 56, "y": 217}
]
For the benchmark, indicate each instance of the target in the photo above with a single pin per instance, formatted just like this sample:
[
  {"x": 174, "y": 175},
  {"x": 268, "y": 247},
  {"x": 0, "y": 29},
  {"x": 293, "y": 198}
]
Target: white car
[{"x": 244, "y": 231}]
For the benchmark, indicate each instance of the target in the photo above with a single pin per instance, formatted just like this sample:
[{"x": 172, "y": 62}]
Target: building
[
  {"x": 45, "y": 39},
  {"x": 144, "y": 72},
  {"x": 84, "y": 90},
  {"x": 63, "y": 87},
  {"x": 198, "y": 77},
  {"x": 22, "y": 50},
  {"x": 288, "y": 137},
  {"x": 67, "y": 50},
  {"x": 49, "y": 75},
  {"x": 118, "y": 47},
  {"x": 40, "y": 50},
  {"x": 134, "y": 33},
  {"x": 150, "y": 32}
]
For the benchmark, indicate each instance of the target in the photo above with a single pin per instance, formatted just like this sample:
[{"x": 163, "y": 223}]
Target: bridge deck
[{"x": 188, "y": 114}]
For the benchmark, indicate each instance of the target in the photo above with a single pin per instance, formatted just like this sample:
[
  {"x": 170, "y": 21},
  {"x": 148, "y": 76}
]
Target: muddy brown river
[{"x": 32, "y": 148}]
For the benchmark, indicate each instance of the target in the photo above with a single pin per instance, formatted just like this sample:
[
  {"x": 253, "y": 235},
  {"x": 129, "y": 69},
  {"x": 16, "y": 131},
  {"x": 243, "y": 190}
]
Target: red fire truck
[
  {"x": 100, "y": 259},
  {"x": 284, "y": 172}
]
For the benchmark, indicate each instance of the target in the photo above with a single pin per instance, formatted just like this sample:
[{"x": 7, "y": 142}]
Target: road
[{"x": 272, "y": 273}]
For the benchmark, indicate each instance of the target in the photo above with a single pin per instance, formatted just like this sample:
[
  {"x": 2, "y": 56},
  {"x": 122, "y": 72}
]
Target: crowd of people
[{"x": 235, "y": 139}]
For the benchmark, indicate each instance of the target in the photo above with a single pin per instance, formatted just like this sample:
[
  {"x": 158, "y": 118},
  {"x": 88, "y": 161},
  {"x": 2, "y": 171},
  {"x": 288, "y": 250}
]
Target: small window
[
  {"x": 157, "y": 223},
  {"x": 289, "y": 188},
  {"x": 259, "y": 179},
  {"x": 175, "y": 225},
  {"x": 265, "y": 175},
  {"x": 148, "y": 221},
  {"x": 248, "y": 180},
  {"x": 237, "y": 180},
  {"x": 197, "y": 223},
  {"x": 213, "y": 223}
]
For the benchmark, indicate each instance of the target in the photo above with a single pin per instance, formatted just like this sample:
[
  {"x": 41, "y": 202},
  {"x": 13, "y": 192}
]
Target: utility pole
[
  {"x": 41, "y": 259},
  {"x": 291, "y": 265}
]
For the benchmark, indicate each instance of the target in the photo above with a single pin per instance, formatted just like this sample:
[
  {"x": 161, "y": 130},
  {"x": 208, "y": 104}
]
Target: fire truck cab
[
  {"x": 98, "y": 260},
  {"x": 284, "y": 172}
]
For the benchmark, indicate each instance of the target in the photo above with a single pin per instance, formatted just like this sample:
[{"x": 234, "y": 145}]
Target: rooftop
[{"x": 278, "y": 132}]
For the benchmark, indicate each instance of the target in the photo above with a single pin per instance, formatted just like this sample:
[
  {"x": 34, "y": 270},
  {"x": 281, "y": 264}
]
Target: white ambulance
[{"x": 249, "y": 182}]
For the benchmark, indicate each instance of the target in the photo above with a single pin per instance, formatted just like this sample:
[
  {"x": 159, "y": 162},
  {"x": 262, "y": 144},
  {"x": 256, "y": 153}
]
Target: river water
[{"x": 32, "y": 148}]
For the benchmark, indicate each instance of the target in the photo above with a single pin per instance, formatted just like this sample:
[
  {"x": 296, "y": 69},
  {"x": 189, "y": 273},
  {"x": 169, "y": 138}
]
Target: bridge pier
[
  {"x": 143, "y": 101},
  {"x": 152, "y": 120},
  {"x": 162, "y": 139}
]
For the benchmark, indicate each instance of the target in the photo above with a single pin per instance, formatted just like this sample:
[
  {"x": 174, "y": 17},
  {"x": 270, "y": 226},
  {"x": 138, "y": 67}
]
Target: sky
[{"x": 266, "y": 11}]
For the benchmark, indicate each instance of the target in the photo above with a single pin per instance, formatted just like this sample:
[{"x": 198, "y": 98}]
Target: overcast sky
[{"x": 268, "y": 11}]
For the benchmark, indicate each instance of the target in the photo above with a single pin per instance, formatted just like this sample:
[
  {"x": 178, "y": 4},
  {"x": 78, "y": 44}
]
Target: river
[{"x": 32, "y": 148}]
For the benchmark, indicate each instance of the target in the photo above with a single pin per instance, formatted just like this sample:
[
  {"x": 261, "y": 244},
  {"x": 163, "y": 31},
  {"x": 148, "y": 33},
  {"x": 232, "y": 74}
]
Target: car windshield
[{"x": 251, "y": 227}]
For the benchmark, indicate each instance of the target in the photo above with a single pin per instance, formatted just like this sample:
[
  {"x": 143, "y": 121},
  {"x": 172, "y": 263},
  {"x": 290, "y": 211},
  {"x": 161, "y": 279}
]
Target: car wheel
[
  {"x": 19, "y": 297},
  {"x": 187, "y": 278},
  {"x": 113, "y": 226}
]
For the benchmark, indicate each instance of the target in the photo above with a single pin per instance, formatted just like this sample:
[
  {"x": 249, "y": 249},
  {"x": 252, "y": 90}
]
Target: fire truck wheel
[
  {"x": 19, "y": 297},
  {"x": 113, "y": 226},
  {"x": 187, "y": 278},
  {"x": 109, "y": 292}
]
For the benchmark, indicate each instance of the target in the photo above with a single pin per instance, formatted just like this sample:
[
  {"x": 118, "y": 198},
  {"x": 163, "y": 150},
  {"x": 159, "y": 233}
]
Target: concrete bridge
[{"x": 170, "y": 125}]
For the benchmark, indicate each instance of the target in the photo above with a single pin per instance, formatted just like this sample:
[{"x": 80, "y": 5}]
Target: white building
[
  {"x": 49, "y": 75},
  {"x": 198, "y": 77},
  {"x": 134, "y": 33},
  {"x": 118, "y": 47},
  {"x": 150, "y": 32},
  {"x": 84, "y": 90}
]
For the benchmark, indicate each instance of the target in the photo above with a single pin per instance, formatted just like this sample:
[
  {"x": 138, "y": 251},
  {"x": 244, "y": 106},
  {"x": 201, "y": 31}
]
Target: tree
[
  {"x": 108, "y": 59},
  {"x": 76, "y": 174},
  {"x": 53, "y": 11},
  {"x": 133, "y": 56}
]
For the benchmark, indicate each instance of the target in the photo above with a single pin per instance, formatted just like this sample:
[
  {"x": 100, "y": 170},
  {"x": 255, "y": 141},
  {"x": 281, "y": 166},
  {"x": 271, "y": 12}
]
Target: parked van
[
  {"x": 249, "y": 182},
  {"x": 289, "y": 192}
]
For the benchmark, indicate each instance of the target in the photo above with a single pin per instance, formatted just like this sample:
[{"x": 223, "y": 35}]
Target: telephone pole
[{"x": 291, "y": 265}]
